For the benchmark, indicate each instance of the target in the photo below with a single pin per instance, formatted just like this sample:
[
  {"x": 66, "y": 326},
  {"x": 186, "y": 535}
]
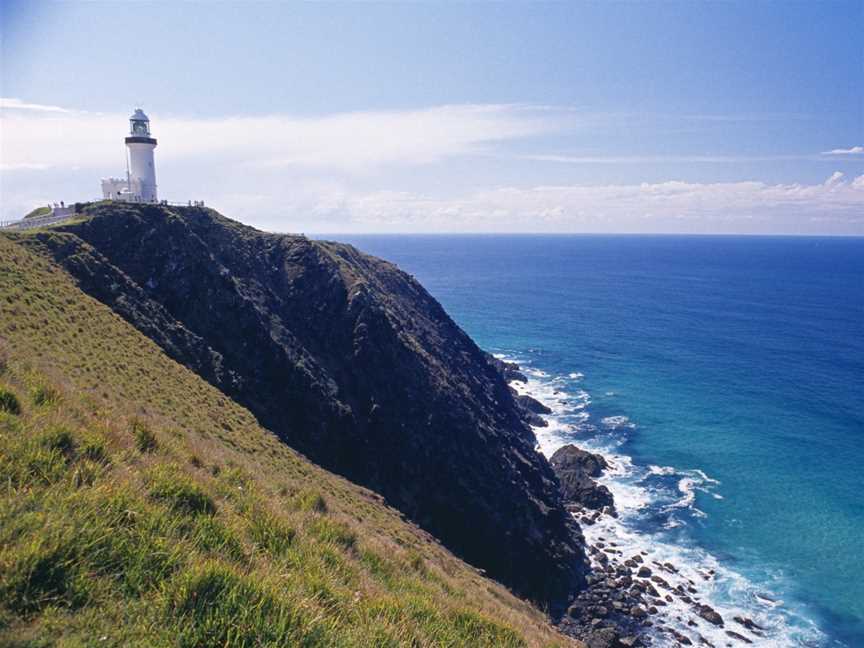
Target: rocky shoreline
[
  {"x": 622, "y": 605},
  {"x": 628, "y": 596}
]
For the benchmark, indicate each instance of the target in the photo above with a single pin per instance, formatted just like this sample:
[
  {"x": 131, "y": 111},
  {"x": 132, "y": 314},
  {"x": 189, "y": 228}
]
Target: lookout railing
[
  {"x": 39, "y": 221},
  {"x": 62, "y": 213}
]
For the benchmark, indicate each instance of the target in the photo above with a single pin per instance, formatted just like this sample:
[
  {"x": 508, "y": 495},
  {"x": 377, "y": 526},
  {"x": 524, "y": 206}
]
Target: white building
[{"x": 140, "y": 182}]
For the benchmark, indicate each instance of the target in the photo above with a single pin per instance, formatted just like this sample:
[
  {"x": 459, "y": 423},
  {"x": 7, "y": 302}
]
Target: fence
[
  {"x": 62, "y": 213},
  {"x": 41, "y": 221}
]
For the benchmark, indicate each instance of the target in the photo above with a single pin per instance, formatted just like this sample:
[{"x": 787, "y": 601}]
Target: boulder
[
  {"x": 709, "y": 614},
  {"x": 569, "y": 457},
  {"x": 574, "y": 468},
  {"x": 509, "y": 370},
  {"x": 739, "y": 637}
]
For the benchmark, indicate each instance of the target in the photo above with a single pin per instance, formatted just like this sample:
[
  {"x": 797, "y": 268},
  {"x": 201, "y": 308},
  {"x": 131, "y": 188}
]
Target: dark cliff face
[{"x": 351, "y": 362}]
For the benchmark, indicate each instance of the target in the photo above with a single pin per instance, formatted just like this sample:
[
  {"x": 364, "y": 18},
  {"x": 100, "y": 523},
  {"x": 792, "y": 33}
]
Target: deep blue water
[{"x": 742, "y": 357}]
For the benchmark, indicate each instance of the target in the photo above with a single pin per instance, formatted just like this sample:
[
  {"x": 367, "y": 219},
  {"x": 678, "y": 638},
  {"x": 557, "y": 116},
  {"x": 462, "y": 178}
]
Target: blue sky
[{"x": 440, "y": 116}]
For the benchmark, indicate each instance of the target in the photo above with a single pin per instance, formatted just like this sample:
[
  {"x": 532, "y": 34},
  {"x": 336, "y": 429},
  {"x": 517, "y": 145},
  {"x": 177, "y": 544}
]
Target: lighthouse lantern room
[{"x": 140, "y": 182}]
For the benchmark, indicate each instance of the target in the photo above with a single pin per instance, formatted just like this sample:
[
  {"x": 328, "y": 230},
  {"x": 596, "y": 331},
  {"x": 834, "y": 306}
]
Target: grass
[
  {"x": 9, "y": 402},
  {"x": 39, "y": 212},
  {"x": 145, "y": 440},
  {"x": 171, "y": 487},
  {"x": 141, "y": 507},
  {"x": 43, "y": 395}
]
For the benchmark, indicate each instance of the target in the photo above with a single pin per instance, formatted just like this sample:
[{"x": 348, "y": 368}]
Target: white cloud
[
  {"x": 353, "y": 142},
  {"x": 356, "y": 172},
  {"x": 24, "y": 166},
  {"x": 672, "y": 206},
  {"x": 10, "y": 103},
  {"x": 659, "y": 159},
  {"x": 855, "y": 150}
]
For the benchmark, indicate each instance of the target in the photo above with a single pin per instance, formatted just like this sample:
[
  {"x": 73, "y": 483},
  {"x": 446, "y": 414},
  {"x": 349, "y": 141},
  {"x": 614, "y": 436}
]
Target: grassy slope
[
  {"x": 139, "y": 506},
  {"x": 39, "y": 211}
]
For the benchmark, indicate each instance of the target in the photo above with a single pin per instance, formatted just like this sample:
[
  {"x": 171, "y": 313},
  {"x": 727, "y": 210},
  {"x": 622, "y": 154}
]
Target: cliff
[
  {"x": 351, "y": 362},
  {"x": 142, "y": 507}
]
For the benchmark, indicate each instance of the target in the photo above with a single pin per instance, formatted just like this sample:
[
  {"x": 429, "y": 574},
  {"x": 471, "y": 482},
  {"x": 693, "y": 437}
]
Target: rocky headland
[{"x": 351, "y": 362}]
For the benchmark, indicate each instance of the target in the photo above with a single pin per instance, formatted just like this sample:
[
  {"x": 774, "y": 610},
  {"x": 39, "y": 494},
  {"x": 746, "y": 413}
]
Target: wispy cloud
[
  {"x": 671, "y": 206},
  {"x": 356, "y": 172},
  {"x": 660, "y": 159},
  {"x": 23, "y": 166},
  {"x": 749, "y": 117},
  {"x": 354, "y": 142},
  {"x": 10, "y": 103},
  {"x": 854, "y": 150}
]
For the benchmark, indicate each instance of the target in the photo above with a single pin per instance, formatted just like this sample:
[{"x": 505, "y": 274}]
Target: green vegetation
[
  {"x": 43, "y": 395},
  {"x": 39, "y": 211},
  {"x": 9, "y": 402},
  {"x": 141, "y": 507},
  {"x": 169, "y": 485},
  {"x": 309, "y": 500},
  {"x": 145, "y": 440}
]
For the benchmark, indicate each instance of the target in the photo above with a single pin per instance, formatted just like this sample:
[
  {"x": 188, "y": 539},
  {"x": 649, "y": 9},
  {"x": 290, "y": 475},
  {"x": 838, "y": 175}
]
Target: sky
[{"x": 621, "y": 117}]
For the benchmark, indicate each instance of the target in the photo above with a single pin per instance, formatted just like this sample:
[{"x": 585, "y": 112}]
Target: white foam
[
  {"x": 617, "y": 422},
  {"x": 661, "y": 470},
  {"x": 727, "y": 591}
]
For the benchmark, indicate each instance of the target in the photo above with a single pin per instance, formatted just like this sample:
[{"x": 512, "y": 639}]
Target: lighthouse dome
[{"x": 139, "y": 115}]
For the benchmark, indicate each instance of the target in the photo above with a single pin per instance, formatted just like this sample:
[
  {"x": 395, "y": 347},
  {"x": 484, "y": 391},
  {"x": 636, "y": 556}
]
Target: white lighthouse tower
[
  {"x": 142, "y": 168},
  {"x": 139, "y": 185}
]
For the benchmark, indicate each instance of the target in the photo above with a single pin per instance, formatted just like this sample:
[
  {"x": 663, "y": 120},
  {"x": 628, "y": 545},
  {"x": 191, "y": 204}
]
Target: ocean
[{"x": 724, "y": 377}]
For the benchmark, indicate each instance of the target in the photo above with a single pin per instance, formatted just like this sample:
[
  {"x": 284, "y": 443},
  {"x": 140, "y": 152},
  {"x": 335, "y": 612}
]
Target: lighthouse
[
  {"x": 139, "y": 185},
  {"x": 142, "y": 167}
]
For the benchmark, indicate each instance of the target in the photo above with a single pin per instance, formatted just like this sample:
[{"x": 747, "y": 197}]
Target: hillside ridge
[
  {"x": 350, "y": 361},
  {"x": 142, "y": 507}
]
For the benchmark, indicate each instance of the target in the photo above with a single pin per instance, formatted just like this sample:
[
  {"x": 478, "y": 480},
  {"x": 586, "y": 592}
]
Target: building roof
[{"x": 139, "y": 115}]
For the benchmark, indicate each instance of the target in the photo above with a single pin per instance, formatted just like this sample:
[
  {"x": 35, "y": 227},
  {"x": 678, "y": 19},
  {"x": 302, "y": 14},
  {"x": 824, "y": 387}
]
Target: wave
[
  {"x": 617, "y": 422},
  {"x": 656, "y": 516}
]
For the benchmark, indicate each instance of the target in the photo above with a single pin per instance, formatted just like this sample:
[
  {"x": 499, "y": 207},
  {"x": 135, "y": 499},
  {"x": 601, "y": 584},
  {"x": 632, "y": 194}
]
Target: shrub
[
  {"x": 9, "y": 402},
  {"x": 145, "y": 440}
]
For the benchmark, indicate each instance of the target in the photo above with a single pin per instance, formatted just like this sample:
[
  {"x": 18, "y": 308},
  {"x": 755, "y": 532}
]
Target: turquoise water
[{"x": 734, "y": 366}]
